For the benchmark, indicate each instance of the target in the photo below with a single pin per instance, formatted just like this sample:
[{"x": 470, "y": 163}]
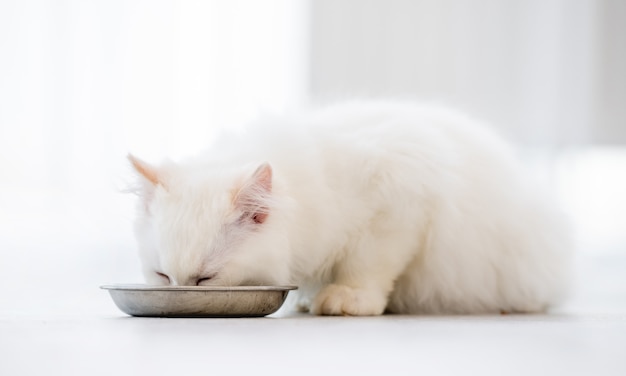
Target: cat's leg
[{"x": 363, "y": 280}]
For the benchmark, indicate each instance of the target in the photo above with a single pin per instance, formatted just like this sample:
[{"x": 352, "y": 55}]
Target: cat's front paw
[{"x": 344, "y": 300}]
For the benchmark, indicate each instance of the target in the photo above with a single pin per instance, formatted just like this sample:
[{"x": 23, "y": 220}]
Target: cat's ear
[
  {"x": 149, "y": 178},
  {"x": 254, "y": 195},
  {"x": 148, "y": 172}
]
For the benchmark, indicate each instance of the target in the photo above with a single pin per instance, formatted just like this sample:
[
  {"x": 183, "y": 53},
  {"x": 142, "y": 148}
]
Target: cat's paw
[{"x": 344, "y": 300}]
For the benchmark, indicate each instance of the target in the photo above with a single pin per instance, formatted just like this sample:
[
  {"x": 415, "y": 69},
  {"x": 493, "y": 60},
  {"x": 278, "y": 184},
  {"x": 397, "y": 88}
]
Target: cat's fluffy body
[{"x": 366, "y": 207}]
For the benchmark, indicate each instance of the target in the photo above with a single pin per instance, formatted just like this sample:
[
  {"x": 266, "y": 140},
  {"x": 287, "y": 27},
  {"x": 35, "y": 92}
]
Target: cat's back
[
  {"x": 428, "y": 131},
  {"x": 429, "y": 127},
  {"x": 432, "y": 141}
]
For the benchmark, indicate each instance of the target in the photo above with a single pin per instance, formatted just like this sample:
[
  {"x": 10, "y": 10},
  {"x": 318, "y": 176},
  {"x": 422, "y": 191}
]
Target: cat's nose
[
  {"x": 181, "y": 282},
  {"x": 186, "y": 282}
]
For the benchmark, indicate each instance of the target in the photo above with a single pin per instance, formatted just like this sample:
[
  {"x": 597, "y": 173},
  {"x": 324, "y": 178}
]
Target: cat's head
[{"x": 219, "y": 227}]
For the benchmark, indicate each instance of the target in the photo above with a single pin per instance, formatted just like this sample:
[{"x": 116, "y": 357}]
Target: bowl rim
[{"x": 143, "y": 287}]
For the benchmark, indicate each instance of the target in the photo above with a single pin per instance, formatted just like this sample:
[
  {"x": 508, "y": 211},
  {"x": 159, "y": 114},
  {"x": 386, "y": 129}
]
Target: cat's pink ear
[
  {"x": 144, "y": 169},
  {"x": 263, "y": 178},
  {"x": 253, "y": 196},
  {"x": 150, "y": 177}
]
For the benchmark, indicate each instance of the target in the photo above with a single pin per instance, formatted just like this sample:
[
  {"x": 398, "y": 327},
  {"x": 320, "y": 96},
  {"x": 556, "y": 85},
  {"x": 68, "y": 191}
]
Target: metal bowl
[{"x": 198, "y": 301}]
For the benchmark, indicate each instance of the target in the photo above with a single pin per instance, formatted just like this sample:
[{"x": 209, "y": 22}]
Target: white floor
[{"x": 296, "y": 345}]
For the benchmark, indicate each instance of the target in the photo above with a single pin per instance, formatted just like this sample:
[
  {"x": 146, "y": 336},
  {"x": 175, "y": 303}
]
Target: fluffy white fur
[{"x": 367, "y": 207}]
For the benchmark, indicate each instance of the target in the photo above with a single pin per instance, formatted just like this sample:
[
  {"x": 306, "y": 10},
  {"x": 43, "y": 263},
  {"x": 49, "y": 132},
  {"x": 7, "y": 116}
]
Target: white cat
[{"x": 367, "y": 207}]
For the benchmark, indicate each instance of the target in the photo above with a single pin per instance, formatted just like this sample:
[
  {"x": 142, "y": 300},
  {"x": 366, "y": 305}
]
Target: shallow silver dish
[{"x": 198, "y": 301}]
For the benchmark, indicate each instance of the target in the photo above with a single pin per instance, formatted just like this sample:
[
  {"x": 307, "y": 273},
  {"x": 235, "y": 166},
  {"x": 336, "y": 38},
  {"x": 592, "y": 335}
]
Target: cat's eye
[
  {"x": 165, "y": 277},
  {"x": 199, "y": 281}
]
